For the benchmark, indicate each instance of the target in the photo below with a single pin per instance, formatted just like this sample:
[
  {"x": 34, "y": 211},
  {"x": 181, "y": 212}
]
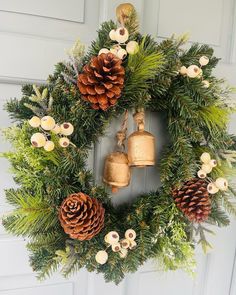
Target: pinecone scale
[
  {"x": 193, "y": 200},
  {"x": 102, "y": 81}
]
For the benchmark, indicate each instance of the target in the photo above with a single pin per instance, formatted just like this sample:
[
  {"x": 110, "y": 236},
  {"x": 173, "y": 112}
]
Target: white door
[{"x": 33, "y": 37}]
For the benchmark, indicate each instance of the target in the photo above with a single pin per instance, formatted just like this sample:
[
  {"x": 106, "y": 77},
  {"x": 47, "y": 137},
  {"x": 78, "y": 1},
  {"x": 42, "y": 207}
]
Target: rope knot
[
  {"x": 121, "y": 137},
  {"x": 139, "y": 119}
]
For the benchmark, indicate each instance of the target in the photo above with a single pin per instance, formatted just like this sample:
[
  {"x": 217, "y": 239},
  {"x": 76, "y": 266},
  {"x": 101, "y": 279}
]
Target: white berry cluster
[
  {"x": 121, "y": 36},
  {"x": 46, "y": 124},
  {"x": 120, "y": 246},
  {"x": 207, "y": 165},
  {"x": 194, "y": 71}
]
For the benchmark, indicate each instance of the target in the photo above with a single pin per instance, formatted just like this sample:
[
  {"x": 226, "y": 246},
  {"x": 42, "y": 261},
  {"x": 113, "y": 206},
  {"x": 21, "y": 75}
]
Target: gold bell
[
  {"x": 141, "y": 145},
  {"x": 116, "y": 171}
]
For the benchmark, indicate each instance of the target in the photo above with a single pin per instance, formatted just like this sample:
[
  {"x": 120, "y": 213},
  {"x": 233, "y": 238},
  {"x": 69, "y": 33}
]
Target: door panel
[{"x": 33, "y": 38}]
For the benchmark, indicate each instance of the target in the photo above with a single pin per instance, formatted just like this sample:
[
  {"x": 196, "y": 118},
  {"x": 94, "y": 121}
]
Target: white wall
[{"x": 33, "y": 36}]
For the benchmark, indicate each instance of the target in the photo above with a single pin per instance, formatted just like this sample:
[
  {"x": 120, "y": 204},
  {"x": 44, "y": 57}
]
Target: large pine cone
[
  {"x": 193, "y": 200},
  {"x": 81, "y": 216},
  {"x": 102, "y": 80}
]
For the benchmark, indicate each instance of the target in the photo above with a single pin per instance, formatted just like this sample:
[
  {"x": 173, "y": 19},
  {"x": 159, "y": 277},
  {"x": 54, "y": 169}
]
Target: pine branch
[
  {"x": 33, "y": 215},
  {"x": 228, "y": 203},
  {"x": 141, "y": 69},
  {"x": 218, "y": 217},
  {"x": 103, "y": 40},
  {"x": 43, "y": 262}
]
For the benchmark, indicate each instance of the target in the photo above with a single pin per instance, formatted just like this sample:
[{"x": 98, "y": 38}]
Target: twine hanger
[
  {"x": 139, "y": 118},
  {"x": 121, "y": 134}
]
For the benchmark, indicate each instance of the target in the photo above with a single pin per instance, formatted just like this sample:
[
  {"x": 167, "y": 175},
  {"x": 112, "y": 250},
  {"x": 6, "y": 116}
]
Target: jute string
[{"x": 121, "y": 134}]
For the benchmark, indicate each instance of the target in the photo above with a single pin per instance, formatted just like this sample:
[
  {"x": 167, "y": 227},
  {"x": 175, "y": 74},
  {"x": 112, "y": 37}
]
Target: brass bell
[
  {"x": 141, "y": 145},
  {"x": 116, "y": 170}
]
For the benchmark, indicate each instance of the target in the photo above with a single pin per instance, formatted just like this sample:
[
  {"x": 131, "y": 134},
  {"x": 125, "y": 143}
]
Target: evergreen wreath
[{"x": 70, "y": 221}]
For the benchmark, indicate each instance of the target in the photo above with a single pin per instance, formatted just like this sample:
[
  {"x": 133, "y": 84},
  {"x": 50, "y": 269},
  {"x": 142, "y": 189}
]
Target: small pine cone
[
  {"x": 81, "y": 216},
  {"x": 193, "y": 200},
  {"x": 102, "y": 80}
]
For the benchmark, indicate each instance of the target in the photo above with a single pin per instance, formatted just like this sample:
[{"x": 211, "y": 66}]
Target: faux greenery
[{"x": 196, "y": 119}]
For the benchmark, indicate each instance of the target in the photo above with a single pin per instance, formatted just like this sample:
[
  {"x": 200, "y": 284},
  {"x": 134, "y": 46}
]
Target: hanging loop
[
  {"x": 139, "y": 118},
  {"x": 121, "y": 134}
]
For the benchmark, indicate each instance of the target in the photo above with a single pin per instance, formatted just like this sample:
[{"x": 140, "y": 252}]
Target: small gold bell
[
  {"x": 116, "y": 170},
  {"x": 141, "y": 145}
]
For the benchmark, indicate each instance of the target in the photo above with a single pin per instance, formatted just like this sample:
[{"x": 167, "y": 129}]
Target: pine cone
[
  {"x": 102, "y": 81},
  {"x": 81, "y": 216},
  {"x": 193, "y": 200}
]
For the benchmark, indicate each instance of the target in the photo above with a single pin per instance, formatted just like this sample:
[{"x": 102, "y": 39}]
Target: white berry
[
  {"x": 193, "y": 71},
  {"x": 125, "y": 243},
  {"x": 183, "y": 70},
  {"x": 132, "y": 47},
  {"x": 67, "y": 128},
  {"x": 212, "y": 188},
  {"x": 213, "y": 163},
  {"x": 123, "y": 252},
  {"x": 205, "y": 83},
  {"x": 200, "y": 73},
  {"x": 205, "y": 158},
  {"x": 116, "y": 247},
  {"x": 112, "y": 237},
  {"x": 47, "y": 123},
  {"x": 122, "y": 35},
  {"x": 103, "y": 50},
  {"x": 64, "y": 142},
  {"x": 38, "y": 140},
  {"x": 201, "y": 174},
  {"x": 222, "y": 183},
  {"x": 49, "y": 146},
  {"x": 207, "y": 168},
  {"x": 112, "y": 35},
  {"x": 130, "y": 234},
  {"x": 56, "y": 129},
  {"x": 114, "y": 50},
  {"x": 35, "y": 122},
  {"x": 203, "y": 60},
  {"x": 106, "y": 239},
  {"x": 101, "y": 257},
  {"x": 121, "y": 53},
  {"x": 132, "y": 245}
]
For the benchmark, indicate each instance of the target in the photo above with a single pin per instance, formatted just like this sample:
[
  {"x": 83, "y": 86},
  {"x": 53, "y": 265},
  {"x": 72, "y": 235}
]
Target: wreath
[{"x": 68, "y": 218}]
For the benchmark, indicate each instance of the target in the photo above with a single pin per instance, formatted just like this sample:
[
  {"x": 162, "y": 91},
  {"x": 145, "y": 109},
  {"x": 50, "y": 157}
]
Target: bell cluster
[{"x": 140, "y": 154}]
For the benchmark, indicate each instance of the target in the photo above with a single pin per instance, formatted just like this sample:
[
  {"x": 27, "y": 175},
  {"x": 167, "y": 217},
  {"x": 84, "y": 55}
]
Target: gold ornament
[
  {"x": 141, "y": 145},
  {"x": 116, "y": 169},
  {"x": 123, "y": 12}
]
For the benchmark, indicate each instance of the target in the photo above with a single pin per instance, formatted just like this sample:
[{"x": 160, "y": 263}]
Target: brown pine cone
[
  {"x": 102, "y": 80},
  {"x": 193, "y": 200},
  {"x": 81, "y": 216}
]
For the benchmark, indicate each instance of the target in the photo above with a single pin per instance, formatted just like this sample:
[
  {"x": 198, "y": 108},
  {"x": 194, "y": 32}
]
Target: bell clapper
[{"x": 114, "y": 189}]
